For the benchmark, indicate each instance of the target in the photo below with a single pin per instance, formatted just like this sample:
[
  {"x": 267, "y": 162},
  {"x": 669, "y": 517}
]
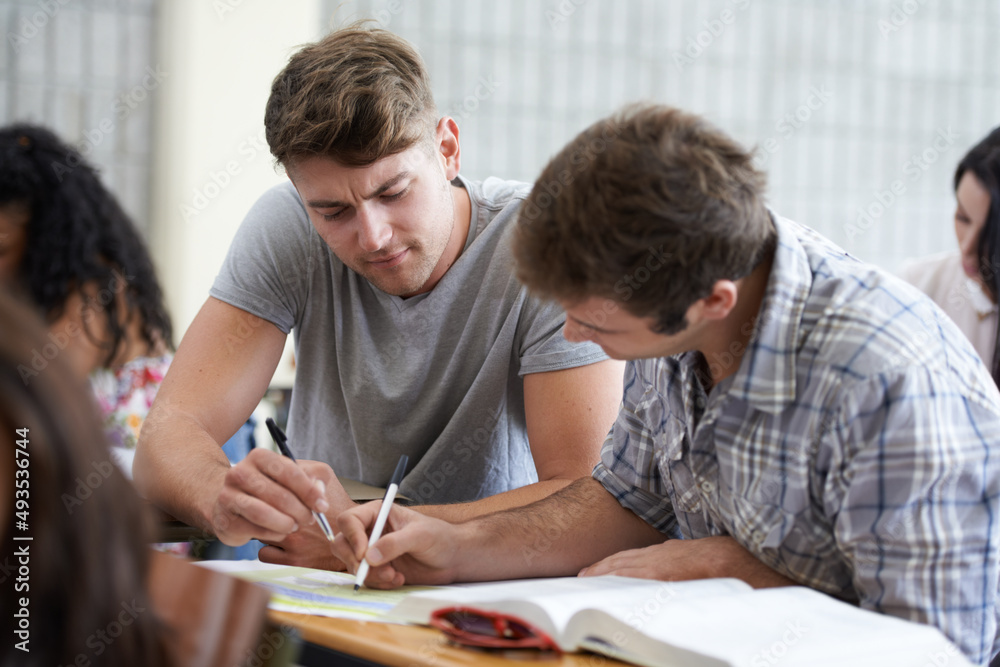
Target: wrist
[
  {"x": 207, "y": 508},
  {"x": 466, "y": 563},
  {"x": 736, "y": 561},
  {"x": 728, "y": 559}
]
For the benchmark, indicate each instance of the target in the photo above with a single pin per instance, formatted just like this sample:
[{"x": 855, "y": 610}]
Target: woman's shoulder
[
  {"x": 933, "y": 272},
  {"x": 126, "y": 393},
  {"x": 117, "y": 386}
]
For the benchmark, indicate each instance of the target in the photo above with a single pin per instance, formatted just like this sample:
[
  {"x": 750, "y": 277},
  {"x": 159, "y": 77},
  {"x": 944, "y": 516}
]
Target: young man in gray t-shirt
[{"x": 412, "y": 335}]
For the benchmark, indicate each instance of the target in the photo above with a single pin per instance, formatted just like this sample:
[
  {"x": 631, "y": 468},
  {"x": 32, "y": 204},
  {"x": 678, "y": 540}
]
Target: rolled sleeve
[{"x": 627, "y": 468}]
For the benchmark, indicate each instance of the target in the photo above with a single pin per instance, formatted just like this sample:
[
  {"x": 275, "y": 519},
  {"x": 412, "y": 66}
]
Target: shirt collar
[
  {"x": 766, "y": 376},
  {"x": 978, "y": 299}
]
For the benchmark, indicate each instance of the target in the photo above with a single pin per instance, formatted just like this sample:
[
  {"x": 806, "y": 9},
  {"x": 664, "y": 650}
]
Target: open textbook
[{"x": 713, "y": 622}]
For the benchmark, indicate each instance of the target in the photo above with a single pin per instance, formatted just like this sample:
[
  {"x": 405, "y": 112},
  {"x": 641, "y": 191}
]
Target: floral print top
[{"x": 125, "y": 395}]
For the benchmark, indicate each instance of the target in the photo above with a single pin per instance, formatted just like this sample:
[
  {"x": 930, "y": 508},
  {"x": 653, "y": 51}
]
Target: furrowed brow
[{"x": 327, "y": 203}]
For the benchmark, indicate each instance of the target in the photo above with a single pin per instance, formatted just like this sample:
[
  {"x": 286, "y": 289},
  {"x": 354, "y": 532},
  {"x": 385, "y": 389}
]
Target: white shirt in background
[{"x": 965, "y": 301}]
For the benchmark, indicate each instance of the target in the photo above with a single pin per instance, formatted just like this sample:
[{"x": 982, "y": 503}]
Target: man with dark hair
[
  {"x": 412, "y": 334},
  {"x": 791, "y": 415}
]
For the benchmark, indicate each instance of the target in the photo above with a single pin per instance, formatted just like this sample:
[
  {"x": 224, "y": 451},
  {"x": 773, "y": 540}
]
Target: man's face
[
  {"x": 622, "y": 335},
  {"x": 390, "y": 221},
  {"x": 970, "y": 217}
]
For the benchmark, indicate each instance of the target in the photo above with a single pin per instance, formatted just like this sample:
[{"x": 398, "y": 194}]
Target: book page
[
  {"x": 787, "y": 626},
  {"x": 550, "y": 603}
]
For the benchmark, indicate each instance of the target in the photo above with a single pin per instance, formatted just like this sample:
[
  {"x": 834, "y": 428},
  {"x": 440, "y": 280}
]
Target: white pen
[{"x": 383, "y": 514}]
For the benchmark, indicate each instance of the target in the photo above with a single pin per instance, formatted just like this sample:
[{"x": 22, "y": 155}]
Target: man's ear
[
  {"x": 721, "y": 301},
  {"x": 446, "y": 144}
]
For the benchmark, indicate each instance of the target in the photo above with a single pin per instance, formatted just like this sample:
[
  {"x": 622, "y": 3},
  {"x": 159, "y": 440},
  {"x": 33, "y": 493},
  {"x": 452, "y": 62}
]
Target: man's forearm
[
  {"x": 555, "y": 536},
  {"x": 734, "y": 560},
  {"x": 458, "y": 512},
  {"x": 179, "y": 468}
]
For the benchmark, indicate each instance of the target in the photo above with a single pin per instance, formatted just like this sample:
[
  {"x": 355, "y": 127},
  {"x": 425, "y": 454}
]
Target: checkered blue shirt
[{"x": 855, "y": 450}]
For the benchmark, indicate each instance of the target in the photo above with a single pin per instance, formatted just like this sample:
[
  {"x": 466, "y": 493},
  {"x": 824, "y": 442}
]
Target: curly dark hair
[{"x": 77, "y": 235}]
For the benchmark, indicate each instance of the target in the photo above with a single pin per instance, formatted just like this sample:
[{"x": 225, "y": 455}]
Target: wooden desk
[{"x": 369, "y": 643}]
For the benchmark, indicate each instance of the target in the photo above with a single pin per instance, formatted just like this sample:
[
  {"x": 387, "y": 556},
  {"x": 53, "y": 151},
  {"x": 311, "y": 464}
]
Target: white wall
[
  {"x": 210, "y": 158},
  {"x": 87, "y": 70}
]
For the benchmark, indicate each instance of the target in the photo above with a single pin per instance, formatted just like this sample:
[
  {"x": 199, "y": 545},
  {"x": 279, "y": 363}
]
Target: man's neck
[
  {"x": 463, "y": 220},
  {"x": 462, "y": 208},
  {"x": 741, "y": 325},
  {"x": 462, "y": 212}
]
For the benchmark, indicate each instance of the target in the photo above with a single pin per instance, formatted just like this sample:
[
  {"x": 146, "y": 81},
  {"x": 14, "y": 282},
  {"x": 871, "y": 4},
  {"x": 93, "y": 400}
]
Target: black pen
[
  {"x": 282, "y": 441},
  {"x": 383, "y": 514}
]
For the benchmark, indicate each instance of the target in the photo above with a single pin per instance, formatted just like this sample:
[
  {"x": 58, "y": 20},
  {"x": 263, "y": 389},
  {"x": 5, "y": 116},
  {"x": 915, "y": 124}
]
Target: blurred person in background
[
  {"x": 88, "y": 559},
  {"x": 67, "y": 247},
  {"x": 966, "y": 283}
]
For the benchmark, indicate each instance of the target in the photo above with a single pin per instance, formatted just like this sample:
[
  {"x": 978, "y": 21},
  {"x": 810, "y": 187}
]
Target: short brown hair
[
  {"x": 358, "y": 95},
  {"x": 649, "y": 208}
]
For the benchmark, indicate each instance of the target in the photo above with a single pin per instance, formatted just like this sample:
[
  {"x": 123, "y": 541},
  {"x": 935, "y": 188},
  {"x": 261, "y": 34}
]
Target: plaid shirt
[{"x": 850, "y": 451}]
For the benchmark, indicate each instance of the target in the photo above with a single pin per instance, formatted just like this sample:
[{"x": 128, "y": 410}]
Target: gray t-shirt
[{"x": 437, "y": 376}]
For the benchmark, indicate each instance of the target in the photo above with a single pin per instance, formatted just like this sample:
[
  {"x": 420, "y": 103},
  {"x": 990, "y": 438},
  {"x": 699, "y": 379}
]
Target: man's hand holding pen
[
  {"x": 300, "y": 546},
  {"x": 270, "y": 497},
  {"x": 413, "y": 548},
  {"x": 308, "y": 546}
]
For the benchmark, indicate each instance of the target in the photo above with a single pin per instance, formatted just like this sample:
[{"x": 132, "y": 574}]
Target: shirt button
[
  {"x": 707, "y": 486},
  {"x": 758, "y": 536}
]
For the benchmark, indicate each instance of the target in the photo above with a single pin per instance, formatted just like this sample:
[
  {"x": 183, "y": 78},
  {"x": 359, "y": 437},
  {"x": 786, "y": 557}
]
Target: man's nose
[{"x": 374, "y": 231}]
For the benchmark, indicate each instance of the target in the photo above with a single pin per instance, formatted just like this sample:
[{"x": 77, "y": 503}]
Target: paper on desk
[{"x": 303, "y": 590}]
